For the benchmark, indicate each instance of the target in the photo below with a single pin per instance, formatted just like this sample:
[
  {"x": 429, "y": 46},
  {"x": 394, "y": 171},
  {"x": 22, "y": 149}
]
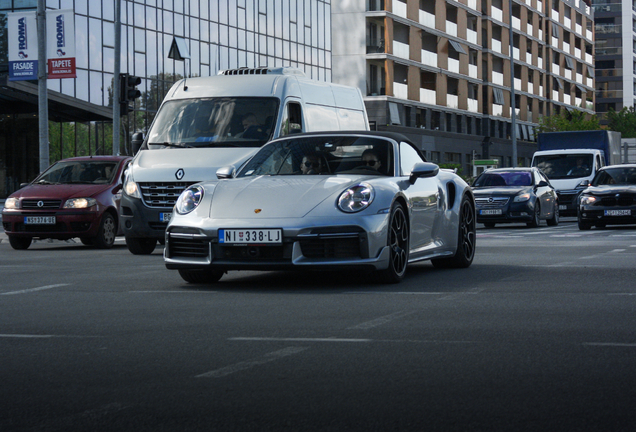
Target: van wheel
[
  {"x": 200, "y": 276},
  {"x": 141, "y": 246},
  {"x": 19, "y": 243}
]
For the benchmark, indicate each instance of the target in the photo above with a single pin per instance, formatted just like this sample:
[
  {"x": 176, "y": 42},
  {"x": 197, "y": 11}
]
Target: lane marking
[
  {"x": 281, "y": 339},
  {"x": 172, "y": 291},
  {"x": 267, "y": 358},
  {"x": 610, "y": 344},
  {"x": 29, "y": 290},
  {"x": 28, "y": 336},
  {"x": 380, "y": 321}
]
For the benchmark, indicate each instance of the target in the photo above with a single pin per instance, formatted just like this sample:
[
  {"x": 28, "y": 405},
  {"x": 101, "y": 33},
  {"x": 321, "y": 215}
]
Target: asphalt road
[{"x": 538, "y": 335}]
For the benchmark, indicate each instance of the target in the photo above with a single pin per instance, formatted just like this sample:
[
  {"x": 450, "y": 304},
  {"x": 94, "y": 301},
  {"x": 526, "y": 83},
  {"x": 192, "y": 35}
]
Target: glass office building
[{"x": 218, "y": 35}]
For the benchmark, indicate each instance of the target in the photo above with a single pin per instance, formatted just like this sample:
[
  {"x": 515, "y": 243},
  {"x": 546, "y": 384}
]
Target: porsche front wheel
[{"x": 398, "y": 242}]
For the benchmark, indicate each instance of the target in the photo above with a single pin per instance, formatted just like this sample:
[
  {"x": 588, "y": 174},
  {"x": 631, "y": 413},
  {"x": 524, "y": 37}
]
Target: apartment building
[
  {"x": 615, "y": 48},
  {"x": 442, "y": 71}
]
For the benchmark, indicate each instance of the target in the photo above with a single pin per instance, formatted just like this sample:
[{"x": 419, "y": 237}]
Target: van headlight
[
  {"x": 189, "y": 199},
  {"x": 131, "y": 188},
  {"x": 356, "y": 198}
]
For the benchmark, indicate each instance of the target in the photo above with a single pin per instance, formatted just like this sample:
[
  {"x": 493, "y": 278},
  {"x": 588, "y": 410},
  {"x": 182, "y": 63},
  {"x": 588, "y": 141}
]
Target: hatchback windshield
[
  {"x": 564, "y": 166},
  {"x": 504, "y": 178},
  {"x": 214, "y": 122},
  {"x": 97, "y": 172},
  {"x": 621, "y": 176},
  {"x": 323, "y": 155}
]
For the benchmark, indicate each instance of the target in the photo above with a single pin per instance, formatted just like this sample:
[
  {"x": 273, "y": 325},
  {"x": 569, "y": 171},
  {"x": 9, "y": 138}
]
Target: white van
[{"x": 207, "y": 123}]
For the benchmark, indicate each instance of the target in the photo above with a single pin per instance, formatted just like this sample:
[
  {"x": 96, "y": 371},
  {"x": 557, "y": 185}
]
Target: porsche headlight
[
  {"x": 12, "y": 204},
  {"x": 131, "y": 188},
  {"x": 522, "y": 198},
  {"x": 189, "y": 199},
  {"x": 80, "y": 203},
  {"x": 588, "y": 199},
  {"x": 356, "y": 198}
]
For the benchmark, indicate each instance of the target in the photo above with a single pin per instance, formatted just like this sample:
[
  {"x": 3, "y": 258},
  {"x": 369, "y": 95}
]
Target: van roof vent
[{"x": 263, "y": 71}]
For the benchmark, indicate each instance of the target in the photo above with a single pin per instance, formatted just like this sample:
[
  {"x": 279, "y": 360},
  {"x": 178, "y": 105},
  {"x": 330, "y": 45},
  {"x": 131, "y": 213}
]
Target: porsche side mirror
[
  {"x": 422, "y": 170},
  {"x": 136, "y": 141},
  {"x": 225, "y": 172}
]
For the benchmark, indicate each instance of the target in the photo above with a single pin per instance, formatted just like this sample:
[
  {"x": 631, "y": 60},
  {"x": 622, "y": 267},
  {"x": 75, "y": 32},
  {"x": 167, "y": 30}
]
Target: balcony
[
  {"x": 518, "y": 83},
  {"x": 567, "y": 22},
  {"x": 556, "y": 69},
  {"x": 471, "y": 36},
  {"x": 428, "y": 96},
  {"x": 497, "y": 110},
  {"x": 453, "y": 65},
  {"x": 555, "y": 42},
  {"x": 472, "y": 4},
  {"x": 473, "y": 71},
  {"x": 567, "y": 73},
  {"x": 401, "y": 50},
  {"x": 496, "y": 13},
  {"x": 529, "y": 115},
  {"x": 473, "y": 105},
  {"x": 555, "y": 95},
  {"x": 517, "y": 112},
  {"x": 400, "y": 90},
  {"x": 540, "y": 34},
  {"x": 578, "y": 29},
  {"x": 554, "y": 15},
  {"x": 540, "y": 6},
  {"x": 427, "y": 19},
  {"x": 590, "y": 82},
  {"x": 578, "y": 102},
  {"x": 530, "y": 29},
  {"x": 451, "y": 28},
  {"x": 399, "y": 8},
  {"x": 579, "y": 78},
  {"x": 566, "y": 47},
  {"x": 541, "y": 91},
  {"x": 566, "y": 99},
  {"x": 429, "y": 58},
  {"x": 540, "y": 62},
  {"x": 516, "y": 23},
  {"x": 495, "y": 45},
  {"x": 452, "y": 101},
  {"x": 577, "y": 52},
  {"x": 498, "y": 78},
  {"x": 530, "y": 88},
  {"x": 588, "y": 58}
]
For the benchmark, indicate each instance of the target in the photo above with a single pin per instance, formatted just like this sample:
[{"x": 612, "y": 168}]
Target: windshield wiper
[
  {"x": 46, "y": 182},
  {"x": 169, "y": 144}
]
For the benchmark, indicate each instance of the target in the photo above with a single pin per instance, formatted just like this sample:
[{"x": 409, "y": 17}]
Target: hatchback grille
[
  {"x": 34, "y": 204},
  {"x": 162, "y": 195},
  {"x": 488, "y": 202},
  {"x": 180, "y": 247}
]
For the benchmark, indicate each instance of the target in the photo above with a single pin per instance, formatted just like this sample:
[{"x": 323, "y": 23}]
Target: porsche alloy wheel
[
  {"x": 398, "y": 243},
  {"x": 200, "y": 276},
  {"x": 466, "y": 239}
]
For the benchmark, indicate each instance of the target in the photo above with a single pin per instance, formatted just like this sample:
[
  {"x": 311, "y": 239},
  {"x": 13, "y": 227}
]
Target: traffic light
[{"x": 128, "y": 92}]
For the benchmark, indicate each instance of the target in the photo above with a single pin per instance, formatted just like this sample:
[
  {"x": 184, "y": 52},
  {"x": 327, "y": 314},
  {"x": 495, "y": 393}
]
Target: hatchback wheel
[
  {"x": 19, "y": 243},
  {"x": 141, "y": 246},
  {"x": 200, "y": 276},
  {"x": 107, "y": 231}
]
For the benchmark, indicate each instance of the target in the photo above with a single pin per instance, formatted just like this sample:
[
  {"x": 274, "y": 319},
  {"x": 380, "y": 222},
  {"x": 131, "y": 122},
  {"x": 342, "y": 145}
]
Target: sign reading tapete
[{"x": 60, "y": 45}]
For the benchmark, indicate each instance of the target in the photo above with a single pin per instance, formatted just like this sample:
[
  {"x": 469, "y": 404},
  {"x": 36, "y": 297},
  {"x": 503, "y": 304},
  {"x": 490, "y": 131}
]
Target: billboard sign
[
  {"x": 60, "y": 45},
  {"x": 23, "y": 46}
]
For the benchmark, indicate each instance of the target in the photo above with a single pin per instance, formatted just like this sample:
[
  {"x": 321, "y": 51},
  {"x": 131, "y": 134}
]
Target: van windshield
[
  {"x": 214, "y": 122},
  {"x": 564, "y": 166}
]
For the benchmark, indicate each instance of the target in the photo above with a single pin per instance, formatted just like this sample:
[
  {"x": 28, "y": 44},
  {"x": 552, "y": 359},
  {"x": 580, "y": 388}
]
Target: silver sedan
[{"x": 324, "y": 200}]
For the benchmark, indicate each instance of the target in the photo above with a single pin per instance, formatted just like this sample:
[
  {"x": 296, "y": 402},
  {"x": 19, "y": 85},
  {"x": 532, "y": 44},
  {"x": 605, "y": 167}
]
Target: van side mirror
[
  {"x": 295, "y": 128},
  {"x": 136, "y": 141},
  {"x": 583, "y": 184}
]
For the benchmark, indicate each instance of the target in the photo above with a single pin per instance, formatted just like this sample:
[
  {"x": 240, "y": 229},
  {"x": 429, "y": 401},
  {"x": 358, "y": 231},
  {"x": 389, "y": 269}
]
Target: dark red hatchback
[{"x": 76, "y": 197}]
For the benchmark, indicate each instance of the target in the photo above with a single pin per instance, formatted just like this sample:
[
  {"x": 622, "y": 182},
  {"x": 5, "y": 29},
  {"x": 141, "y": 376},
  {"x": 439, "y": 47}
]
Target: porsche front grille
[
  {"x": 162, "y": 195},
  {"x": 188, "y": 247},
  {"x": 331, "y": 248}
]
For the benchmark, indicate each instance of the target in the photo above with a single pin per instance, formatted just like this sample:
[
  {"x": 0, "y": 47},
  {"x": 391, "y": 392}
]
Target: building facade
[
  {"x": 440, "y": 71},
  {"x": 217, "y": 35},
  {"x": 615, "y": 48}
]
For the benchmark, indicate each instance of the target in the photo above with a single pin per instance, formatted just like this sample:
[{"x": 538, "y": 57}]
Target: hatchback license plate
[
  {"x": 39, "y": 220},
  {"x": 250, "y": 236},
  {"x": 490, "y": 212},
  {"x": 165, "y": 217},
  {"x": 627, "y": 212}
]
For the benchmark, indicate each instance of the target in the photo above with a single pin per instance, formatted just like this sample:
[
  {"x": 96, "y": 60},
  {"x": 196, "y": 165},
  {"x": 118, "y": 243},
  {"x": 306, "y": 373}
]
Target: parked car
[
  {"x": 610, "y": 198},
  {"x": 324, "y": 200},
  {"x": 76, "y": 197},
  {"x": 512, "y": 195}
]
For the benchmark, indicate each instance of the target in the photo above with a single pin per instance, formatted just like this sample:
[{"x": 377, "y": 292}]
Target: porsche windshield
[
  {"x": 564, "y": 166},
  {"x": 214, "y": 122},
  {"x": 324, "y": 155}
]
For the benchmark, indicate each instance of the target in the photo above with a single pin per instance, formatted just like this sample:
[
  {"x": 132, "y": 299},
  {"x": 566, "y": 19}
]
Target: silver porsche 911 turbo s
[{"x": 324, "y": 201}]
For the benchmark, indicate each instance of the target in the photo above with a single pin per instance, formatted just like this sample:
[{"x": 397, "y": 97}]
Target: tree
[
  {"x": 623, "y": 121},
  {"x": 568, "y": 121}
]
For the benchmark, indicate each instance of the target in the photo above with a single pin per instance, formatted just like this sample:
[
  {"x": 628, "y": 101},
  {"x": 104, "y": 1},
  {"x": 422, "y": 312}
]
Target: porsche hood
[{"x": 274, "y": 197}]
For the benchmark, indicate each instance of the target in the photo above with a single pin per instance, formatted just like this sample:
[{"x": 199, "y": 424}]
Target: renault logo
[
  {"x": 179, "y": 174},
  {"x": 40, "y": 203}
]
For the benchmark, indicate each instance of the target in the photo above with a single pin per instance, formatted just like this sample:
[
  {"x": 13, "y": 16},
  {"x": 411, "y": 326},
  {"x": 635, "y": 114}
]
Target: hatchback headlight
[
  {"x": 80, "y": 203},
  {"x": 12, "y": 204},
  {"x": 588, "y": 199},
  {"x": 356, "y": 198},
  {"x": 522, "y": 198},
  {"x": 189, "y": 199}
]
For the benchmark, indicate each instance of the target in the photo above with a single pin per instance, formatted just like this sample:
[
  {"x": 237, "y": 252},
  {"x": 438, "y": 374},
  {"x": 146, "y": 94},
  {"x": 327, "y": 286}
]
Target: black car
[
  {"x": 513, "y": 195},
  {"x": 610, "y": 198}
]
